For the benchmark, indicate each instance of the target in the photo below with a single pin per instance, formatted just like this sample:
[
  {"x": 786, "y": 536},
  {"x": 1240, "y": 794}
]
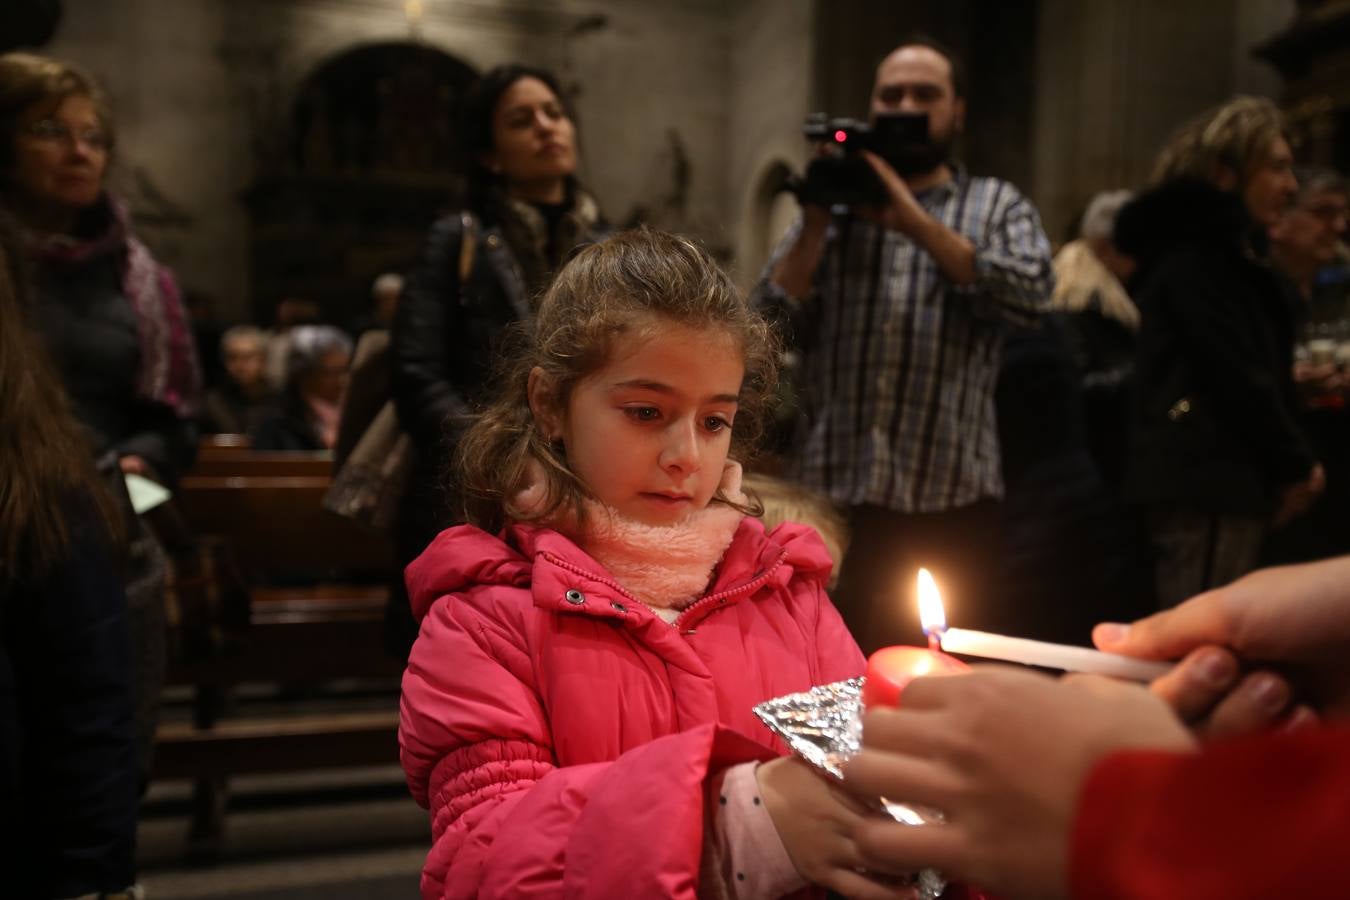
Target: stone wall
[
  {"x": 1113, "y": 81},
  {"x": 771, "y": 89}
]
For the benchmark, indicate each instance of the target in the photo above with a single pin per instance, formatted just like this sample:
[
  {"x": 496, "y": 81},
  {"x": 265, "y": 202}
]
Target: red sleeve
[{"x": 1263, "y": 817}]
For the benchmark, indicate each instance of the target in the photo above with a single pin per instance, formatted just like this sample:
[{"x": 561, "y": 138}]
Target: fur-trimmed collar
[
  {"x": 1186, "y": 212},
  {"x": 526, "y": 231}
]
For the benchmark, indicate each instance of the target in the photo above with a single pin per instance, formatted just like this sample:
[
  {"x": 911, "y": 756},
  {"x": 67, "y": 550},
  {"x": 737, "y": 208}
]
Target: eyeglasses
[{"x": 53, "y": 131}]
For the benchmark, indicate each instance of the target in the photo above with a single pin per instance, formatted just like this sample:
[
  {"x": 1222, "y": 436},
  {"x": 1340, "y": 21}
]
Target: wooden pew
[
  {"x": 278, "y": 523},
  {"x": 258, "y": 463},
  {"x": 340, "y": 740},
  {"x": 268, "y": 508}
]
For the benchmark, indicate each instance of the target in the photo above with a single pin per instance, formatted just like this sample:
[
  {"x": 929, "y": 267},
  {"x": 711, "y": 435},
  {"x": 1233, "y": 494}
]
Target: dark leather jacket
[
  {"x": 1213, "y": 419},
  {"x": 445, "y": 335}
]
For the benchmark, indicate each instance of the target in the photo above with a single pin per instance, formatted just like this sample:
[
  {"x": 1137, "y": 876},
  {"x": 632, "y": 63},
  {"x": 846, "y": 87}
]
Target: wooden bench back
[
  {"x": 277, "y": 524},
  {"x": 242, "y": 461}
]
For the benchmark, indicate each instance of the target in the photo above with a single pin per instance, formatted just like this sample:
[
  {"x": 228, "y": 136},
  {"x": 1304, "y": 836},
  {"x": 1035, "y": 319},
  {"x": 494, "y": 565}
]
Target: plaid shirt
[{"x": 899, "y": 364}]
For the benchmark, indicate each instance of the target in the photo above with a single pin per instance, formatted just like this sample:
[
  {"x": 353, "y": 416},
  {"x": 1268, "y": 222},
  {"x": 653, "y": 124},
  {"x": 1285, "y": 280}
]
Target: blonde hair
[
  {"x": 1235, "y": 136},
  {"x": 27, "y": 79},
  {"x": 784, "y": 501},
  {"x": 602, "y": 295}
]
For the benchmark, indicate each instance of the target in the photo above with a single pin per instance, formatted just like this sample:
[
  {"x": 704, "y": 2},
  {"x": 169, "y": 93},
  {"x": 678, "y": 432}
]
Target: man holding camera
[{"x": 897, "y": 309}]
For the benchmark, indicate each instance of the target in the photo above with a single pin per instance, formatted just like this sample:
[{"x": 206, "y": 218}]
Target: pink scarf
[{"x": 667, "y": 567}]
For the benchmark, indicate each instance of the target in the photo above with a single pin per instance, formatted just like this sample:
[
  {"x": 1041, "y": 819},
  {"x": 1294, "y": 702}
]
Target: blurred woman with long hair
[{"x": 69, "y": 779}]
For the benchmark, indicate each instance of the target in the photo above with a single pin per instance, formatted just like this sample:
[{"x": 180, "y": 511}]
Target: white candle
[{"x": 1049, "y": 656}]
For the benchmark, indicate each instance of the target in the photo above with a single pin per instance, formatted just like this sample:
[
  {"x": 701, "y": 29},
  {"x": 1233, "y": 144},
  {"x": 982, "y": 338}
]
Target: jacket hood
[
  {"x": 1182, "y": 212},
  {"x": 466, "y": 556}
]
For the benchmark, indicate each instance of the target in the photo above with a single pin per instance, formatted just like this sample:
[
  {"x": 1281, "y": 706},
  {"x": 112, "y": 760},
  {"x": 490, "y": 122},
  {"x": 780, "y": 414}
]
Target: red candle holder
[{"x": 891, "y": 668}]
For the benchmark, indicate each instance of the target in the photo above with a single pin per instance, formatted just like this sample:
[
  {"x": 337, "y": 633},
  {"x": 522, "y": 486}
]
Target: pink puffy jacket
[{"x": 562, "y": 734}]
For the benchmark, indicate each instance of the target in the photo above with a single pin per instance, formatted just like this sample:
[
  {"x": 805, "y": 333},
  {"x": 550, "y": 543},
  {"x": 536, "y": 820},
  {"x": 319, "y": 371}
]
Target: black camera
[{"x": 840, "y": 176}]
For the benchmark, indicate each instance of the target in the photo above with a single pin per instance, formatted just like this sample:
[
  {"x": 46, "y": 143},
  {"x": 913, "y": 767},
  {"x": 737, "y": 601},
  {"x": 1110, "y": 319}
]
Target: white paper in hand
[{"x": 145, "y": 494}]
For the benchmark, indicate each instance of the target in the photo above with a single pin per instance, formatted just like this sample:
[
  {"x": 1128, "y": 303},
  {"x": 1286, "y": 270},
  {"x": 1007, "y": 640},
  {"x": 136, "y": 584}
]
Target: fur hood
[{"x": 1186, "y": 212}]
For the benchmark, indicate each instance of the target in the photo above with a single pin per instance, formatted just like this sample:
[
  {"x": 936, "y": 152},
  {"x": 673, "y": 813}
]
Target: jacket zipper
[
  {"x": 749, "y": 587},
  {"x": 720, "y": 597}
]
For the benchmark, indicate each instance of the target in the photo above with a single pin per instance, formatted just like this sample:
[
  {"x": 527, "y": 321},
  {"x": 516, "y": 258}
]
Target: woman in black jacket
[
  {"x": 69, "y": 777},
  {"x": 1216, "y": 455},
  {"x": 524, "y": 213}
]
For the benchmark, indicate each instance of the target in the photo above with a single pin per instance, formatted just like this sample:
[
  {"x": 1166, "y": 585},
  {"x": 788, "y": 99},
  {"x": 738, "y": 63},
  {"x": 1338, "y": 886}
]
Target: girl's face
[
  {"x": 60, "y": 155},
  {"x": 533, "y": 140},
  {"x": 649, "y": 433}
]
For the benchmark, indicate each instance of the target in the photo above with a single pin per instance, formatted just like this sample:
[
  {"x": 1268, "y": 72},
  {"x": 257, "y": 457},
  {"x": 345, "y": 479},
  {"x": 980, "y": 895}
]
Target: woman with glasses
[{"x": 109, "y": 315}]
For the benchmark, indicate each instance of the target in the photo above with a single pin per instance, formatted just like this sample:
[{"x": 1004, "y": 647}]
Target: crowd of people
[{"x": 591, "y": 594}]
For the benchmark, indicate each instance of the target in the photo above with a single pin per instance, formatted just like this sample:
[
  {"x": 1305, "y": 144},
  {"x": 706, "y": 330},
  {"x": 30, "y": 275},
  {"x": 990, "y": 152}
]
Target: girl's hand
[
  {"x": 1003, "y": 753},
  {"x": 815, "y": 819},
  {"x": 134, "y": 465}
]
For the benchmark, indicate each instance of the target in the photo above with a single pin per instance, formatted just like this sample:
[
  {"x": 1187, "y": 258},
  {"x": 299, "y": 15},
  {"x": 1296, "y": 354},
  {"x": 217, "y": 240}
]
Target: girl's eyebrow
[{"x": 659, "y": 388}]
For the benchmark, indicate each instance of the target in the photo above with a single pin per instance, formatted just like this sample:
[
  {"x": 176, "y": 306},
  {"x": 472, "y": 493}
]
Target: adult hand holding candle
[{"x": 891, "y": 668}]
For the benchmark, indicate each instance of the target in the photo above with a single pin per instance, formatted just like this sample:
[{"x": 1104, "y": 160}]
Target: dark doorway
[{"x": 369, "y": 162}]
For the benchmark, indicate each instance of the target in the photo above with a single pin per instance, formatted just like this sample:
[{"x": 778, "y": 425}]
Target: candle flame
[{"x": 931, "y": 614}]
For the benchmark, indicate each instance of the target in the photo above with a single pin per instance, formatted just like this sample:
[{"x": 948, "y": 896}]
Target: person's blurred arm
[
  {"x": 164, "y": 446},
  {"x": 1010, "y": 262},
  {"x": 787, "y": 291},
  {"x": 794, "y": 269},
  {"x": 1264, "y": 816}
]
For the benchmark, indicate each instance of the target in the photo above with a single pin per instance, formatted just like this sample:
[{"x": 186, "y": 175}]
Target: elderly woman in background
[
  {"x": 1216, "y": 454},
  {"x": 317, "y": 367},
  {"x": 111, "y": 315},
  {"x": 480, "y": 271}
]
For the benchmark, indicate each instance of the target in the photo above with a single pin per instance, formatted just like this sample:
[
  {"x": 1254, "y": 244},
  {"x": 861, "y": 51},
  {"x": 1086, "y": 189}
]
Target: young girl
[{"x": 577, "y": 709}]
